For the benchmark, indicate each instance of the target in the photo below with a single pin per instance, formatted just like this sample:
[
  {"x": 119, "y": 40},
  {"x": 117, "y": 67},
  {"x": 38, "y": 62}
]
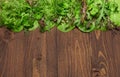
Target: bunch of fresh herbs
[{"x": 86, "y": 15}]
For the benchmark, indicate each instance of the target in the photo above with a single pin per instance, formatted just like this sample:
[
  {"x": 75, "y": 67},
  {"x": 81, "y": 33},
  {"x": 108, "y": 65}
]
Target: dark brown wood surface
[{"x": 57, "y": 54}]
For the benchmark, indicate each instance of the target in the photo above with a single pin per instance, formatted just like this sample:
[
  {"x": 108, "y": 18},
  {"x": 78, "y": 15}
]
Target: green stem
[{"x": 101, "y": 13}]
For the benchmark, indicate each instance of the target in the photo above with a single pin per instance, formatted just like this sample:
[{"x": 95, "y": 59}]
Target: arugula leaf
[
  {"x": 86, "y": 15},
  {"x": 98, "y": 11},
  {"x": 115, "y": 17},
  {"x": 87, "y": 28},
  {"x": 35, "y": 26}
]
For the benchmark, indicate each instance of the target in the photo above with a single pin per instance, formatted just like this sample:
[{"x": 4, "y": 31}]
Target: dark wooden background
[{"x": 57, "y": 54}]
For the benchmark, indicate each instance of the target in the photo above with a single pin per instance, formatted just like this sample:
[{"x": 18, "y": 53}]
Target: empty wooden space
[{"x": 57, "y": 54}]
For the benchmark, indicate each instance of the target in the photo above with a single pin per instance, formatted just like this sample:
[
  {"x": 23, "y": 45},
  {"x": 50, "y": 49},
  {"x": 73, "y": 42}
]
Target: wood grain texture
[{"x": 57, "y": 54}]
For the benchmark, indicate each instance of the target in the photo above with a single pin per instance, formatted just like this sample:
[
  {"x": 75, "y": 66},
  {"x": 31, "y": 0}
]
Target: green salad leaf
[
  {"x": 65, "y": 15},
  {"x": 115, "y": 17}
]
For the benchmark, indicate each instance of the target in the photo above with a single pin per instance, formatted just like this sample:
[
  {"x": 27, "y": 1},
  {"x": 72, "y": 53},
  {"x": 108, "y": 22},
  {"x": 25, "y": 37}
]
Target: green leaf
[
  {"x": 115, "y": 18},
  {"x": 35, "y": 26},
  {"x": 17, "y": 29},
  {"x": 91, "y": 28},
  {"x": 65, "y": 27}
]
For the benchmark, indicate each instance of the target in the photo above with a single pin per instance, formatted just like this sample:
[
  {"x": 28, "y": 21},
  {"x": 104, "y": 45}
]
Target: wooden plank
[
  {"x": 39, "y": 54},
  {"x": 74, "y": 54},
  {"x": 3, "y": 52},
  {"x": 52, "y": 64},
  {"x": 45, "y": 55},
  {"x": 116, "y": 52}
]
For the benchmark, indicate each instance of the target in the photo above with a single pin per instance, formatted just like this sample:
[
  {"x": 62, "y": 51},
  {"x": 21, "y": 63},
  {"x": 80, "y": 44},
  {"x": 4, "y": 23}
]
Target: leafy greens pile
[{"x": 86, "y": 15}]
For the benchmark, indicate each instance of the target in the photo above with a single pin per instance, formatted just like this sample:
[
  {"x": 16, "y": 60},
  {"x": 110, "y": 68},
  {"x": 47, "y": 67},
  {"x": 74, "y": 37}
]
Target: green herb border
[{"x": 86, "y": 15}]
